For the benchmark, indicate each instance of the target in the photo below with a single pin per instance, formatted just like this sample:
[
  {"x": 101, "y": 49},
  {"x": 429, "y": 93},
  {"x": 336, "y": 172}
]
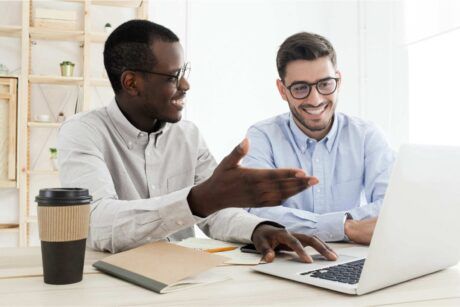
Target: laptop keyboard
[{"x": 347, "y": 273}]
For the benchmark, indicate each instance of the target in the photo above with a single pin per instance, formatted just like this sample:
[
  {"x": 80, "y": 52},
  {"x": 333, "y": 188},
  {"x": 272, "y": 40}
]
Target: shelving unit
[
  {"x": 10, "y": 31},
  {"x": 28, "y": 36}
]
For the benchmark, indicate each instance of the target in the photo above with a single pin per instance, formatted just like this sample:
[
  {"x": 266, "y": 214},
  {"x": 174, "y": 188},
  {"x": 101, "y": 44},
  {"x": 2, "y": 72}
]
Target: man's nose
[
  {"x": 184, "y": 85},
  {"x": 315, "y": 98}
]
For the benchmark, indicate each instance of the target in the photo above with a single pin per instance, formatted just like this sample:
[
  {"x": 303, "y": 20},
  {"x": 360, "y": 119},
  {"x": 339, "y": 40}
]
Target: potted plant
[
  {"x": 61, "y": 117},
  {"x": 108, "y": 28},
  {"x": 53, "y": 158},
  {"x": 67, "y": 68}
]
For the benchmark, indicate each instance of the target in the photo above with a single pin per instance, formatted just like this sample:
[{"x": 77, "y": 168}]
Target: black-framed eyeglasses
[
  {"x": 301, "y": 89},
  {"x": 184, "y": 72}
]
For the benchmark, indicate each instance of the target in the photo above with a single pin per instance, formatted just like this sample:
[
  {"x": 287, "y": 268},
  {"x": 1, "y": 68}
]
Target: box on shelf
[{"x": 52, "y": 18}]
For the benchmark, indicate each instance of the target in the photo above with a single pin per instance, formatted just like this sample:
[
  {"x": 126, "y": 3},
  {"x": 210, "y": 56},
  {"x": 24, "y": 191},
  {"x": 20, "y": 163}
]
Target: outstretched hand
[{"x": 234, "y": 186}]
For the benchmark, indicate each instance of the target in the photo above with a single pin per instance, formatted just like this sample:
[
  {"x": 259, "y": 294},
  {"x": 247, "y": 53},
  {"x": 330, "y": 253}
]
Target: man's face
[
  {"x": 163, "y": 96},
  {"x": 314, "y": 113}
]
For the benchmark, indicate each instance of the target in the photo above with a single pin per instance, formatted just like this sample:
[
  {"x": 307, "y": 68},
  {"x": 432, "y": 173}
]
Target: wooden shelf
[
  {"x": 115, "y": 3},
  {"x": 43, "y": 125},
  {"x": 10, "y": 31},
  {"x": 7, "y": 184},
  {"x": 9, "y": 228},
  {"x": 56, "y": 34},
  {"x": 5, "y": 96},
  {"x": 43, "y": 172},
  {"x": 56, "y": 80},
  {"x": 100, "y": 82}
]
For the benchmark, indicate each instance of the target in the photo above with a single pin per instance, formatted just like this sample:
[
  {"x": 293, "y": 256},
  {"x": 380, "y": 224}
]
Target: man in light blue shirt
[{"x": 349, "y": 156}]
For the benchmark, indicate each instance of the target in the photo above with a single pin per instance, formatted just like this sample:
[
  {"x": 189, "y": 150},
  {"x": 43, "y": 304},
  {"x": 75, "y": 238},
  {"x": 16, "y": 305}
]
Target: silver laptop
[{"x": 417, "y": 232}]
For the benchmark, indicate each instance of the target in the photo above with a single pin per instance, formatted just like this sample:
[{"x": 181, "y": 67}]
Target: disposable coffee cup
[{"x": 63, "y": 223}]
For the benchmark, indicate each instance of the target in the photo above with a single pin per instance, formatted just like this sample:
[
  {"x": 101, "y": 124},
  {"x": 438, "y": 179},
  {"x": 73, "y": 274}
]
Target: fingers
[
  {"x": 318, "y": 245},
  {"x": 274, "y": 173},
  {"x": 273, "y": 192},
  {"x": 268, "y": 253},
  {"x": 291, "y": 242},
  {"x": 236, "y": 155}
]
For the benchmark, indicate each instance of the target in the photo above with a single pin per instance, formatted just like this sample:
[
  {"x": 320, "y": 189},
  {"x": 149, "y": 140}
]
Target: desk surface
[{"x": 245, "y": 288}]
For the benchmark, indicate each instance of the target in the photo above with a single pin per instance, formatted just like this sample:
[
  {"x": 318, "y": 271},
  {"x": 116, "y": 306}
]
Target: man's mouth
[
  {"x": 179, "y": 102},
  {"x": 315, "y": 110}
]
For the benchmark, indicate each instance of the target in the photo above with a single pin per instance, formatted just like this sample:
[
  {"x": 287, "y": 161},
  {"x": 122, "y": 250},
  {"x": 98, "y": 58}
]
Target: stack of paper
[{"x": 235, "y": 256}]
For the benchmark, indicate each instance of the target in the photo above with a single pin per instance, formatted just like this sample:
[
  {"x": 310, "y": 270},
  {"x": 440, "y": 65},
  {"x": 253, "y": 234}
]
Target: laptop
[{"x": 417, "y": 232}]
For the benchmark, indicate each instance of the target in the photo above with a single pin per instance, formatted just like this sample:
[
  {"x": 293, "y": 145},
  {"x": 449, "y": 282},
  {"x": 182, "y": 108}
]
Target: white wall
[{"x": 233, "y": 45}]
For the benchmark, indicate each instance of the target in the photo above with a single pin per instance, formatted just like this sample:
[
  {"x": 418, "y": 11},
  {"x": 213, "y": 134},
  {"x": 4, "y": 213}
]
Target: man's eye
[{"x": 171, "y": 79}]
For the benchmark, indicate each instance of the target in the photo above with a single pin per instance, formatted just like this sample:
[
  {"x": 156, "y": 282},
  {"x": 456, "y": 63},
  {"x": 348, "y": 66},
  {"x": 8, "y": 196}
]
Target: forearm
[
  {"x": 118, "y": 225},
  {"x": 327, "y": 227}
]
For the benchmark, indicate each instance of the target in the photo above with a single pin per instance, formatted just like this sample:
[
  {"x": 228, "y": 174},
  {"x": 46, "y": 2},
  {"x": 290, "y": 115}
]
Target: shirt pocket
[
  {"x": 179, "y": 181},
  {"x": 347, "y": 195}
]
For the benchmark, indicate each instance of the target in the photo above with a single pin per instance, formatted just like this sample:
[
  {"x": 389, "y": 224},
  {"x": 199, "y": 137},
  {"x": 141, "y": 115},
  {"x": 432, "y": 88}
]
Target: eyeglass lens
[{"x": 324, "y": 87}]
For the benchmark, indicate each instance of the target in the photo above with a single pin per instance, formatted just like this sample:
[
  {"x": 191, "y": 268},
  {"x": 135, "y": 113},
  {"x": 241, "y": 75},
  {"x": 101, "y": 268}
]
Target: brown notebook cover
[{"x": 163, "y": 267}]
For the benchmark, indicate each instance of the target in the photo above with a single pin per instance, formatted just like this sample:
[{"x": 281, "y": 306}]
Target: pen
[{"x": 220, "y": 249}]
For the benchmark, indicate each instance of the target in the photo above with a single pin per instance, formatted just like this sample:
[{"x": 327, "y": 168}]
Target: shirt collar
[
  {"x": 130, "y": 134},
  {"x": 303, "y": 141}
]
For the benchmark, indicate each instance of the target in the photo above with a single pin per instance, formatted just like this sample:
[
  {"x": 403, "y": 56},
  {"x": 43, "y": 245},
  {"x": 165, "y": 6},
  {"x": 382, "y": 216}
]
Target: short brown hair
[{"x": 303, "y": 46}]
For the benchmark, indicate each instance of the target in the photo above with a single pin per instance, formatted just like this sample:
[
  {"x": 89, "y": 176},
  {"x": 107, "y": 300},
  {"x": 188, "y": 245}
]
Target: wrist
[
  {"x": 199, "y": 201},
  {"x": 348, "y": 227}
]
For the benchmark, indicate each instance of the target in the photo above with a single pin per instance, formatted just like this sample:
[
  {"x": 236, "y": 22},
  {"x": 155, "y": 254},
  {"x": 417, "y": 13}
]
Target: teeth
[
  {"x": 178, "y": 102},
  {"x": 315, "y": 111}
]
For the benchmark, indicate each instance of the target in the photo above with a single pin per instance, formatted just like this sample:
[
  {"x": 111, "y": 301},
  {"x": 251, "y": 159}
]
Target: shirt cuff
[
  {"x": 330, "y": 226},
  {"x": 248, "y": 225},
  {"x": 177, "y": 214}
]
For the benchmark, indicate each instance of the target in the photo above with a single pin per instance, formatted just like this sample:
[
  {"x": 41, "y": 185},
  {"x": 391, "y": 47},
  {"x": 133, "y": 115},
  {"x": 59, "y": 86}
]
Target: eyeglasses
[
  {"x": 301, "y": 89},
  {"x": 184, "y": 72}
]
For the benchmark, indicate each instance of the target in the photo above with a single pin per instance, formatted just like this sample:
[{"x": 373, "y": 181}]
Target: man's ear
[
  {"x": 281, "y": 89},
  {"x": 339, "y": 75},
  {"x": 130, "y": 83}
]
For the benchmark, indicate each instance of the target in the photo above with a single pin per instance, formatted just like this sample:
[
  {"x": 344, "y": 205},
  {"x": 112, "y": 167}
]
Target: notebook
[{"x": 163, "y": 267}]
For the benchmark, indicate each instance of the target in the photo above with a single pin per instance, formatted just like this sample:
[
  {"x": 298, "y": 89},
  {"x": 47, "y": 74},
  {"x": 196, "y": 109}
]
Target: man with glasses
[
  {"x": 349, "y": 156},
  {"x": 151, "y": 175}
]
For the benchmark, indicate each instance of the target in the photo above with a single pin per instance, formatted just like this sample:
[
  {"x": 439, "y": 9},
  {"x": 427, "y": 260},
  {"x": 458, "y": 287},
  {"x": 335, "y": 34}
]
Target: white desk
[{"x": 245, "y": 288}]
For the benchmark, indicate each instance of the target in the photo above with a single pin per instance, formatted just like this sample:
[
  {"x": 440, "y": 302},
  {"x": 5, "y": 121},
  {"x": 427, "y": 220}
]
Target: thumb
[{"x": 232, "y": 160}]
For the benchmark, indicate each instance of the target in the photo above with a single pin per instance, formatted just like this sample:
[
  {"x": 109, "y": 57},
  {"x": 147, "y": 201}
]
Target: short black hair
[
  {"x": 129, "y": 46},
  {"x": 303, "y": 46}
]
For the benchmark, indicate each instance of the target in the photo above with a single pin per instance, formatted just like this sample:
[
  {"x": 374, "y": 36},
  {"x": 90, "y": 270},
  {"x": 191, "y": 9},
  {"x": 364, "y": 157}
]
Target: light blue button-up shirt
[{"x": 352, "y": 162}]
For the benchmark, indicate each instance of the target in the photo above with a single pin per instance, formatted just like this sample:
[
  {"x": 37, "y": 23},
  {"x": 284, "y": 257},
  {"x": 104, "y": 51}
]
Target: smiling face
[
  {"x": 154, "y": 94},
  {"x": 314, "y": 114},
  {"x": 163, "y": 97}
]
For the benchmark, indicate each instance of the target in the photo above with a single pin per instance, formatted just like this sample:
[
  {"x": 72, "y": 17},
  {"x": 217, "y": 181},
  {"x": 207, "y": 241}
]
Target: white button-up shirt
[{"x": 140, "y": 181}]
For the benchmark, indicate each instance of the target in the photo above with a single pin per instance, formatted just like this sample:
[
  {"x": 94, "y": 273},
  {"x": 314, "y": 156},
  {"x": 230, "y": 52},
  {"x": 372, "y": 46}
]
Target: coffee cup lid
[{"x": 63, "y": 196}]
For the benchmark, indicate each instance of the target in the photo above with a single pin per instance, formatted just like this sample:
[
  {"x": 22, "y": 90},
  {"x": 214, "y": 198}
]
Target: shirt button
[
  {"x": 317, "y": 160},
  {"x": 180, "y": 222},
  {"x": 149, "y": 238},
  {"x": 147, "y": 153},
  {"x": 153, "y": 187},
  {"x": 319, "y": 190}
]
